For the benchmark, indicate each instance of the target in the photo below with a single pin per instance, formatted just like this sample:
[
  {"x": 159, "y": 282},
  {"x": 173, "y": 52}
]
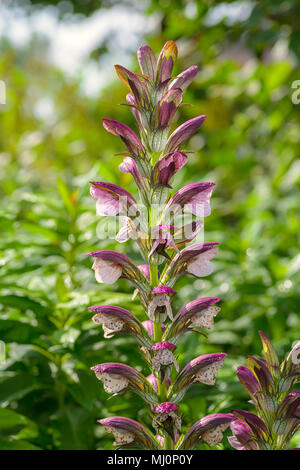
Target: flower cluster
[
  {"x": 152, "y": 158},
  {"x": 271, "y": 388}
]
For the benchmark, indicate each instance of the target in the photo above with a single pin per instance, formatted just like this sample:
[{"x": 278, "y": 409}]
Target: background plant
[
  {"x": 271, "y": 388},
  {"x": 248, "y": 146}
]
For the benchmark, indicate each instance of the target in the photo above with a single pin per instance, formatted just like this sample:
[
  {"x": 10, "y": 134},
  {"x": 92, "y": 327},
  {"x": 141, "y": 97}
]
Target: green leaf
[
  {"x": 17, "y": 445},
  {"x": 23, "y": 303},
  {"x": 75, "y": 426},
  {"x": 66, "y": 197},
  {"x": 19, "y": 332},
  {"x": 16, "y": 387},
  {"x": 10, "y": 419}
]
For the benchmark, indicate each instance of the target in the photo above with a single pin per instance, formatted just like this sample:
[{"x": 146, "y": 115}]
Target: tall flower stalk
[
  {"x": 163, "y": 225},
  {"x": 271, "y": 388}
]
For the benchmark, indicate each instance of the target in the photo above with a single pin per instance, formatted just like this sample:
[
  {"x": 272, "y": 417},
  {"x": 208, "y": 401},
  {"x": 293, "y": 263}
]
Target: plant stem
[
  {"x": 153, "y": 275},
  {"x": 169, "y": 445},
  {"x": 157, "y": 330},
  {"x": 157, "y": 333}
]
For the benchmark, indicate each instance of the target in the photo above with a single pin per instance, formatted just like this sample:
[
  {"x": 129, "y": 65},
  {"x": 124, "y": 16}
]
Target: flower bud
[{"x": 166, "y": 61}]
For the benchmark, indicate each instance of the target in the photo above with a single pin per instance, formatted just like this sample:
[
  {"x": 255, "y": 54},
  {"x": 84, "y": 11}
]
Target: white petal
[
  {"x": 165, "y": 357},
  {"x": 205, "y": 318},
  {"x": 135, "y": 293},
  {"x": 128, "y": 230},
  {"x": 156, "y": 363},
  {"x": 160, "y": 300},
  {"x": 106, "y": 271},
  {"x": 169, "y": 311},
  {"x": 110, "y": 324},
  {"x": 106, "y": 206},
  {"x": 121, "y": 435},
  {"x": 199, "y": 205},
  {"x": 175, "y": 364},
  {"x": 201, "y": 265},
  {"x": 113, "y": 383},
  {"x": 207, "y": 375},
  {"x": 176, "y": 419},
  {"x": 123, "y": 235},
  {"x": 213, "y": 436},
  {"x": 151, "y": 310}
]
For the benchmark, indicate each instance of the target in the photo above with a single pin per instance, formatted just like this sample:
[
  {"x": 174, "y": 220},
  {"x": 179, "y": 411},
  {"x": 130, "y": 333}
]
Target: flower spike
[{"x": 153, "y": 157}]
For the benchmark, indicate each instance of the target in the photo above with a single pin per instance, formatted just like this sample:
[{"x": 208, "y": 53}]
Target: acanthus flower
[
  {"x": 288, "y": 416},
  {"x": 128, "y": 230},
  {"x": 163, "y": 356},
  {"x": 130, "y": 166},
  {"x": 109, "y": 266},
  {"x": 194, "y": 259},
  {"x": 208, "y": 429},
  {"x": 128, "y": 432},
  {"x": 162, "y": 240},
  {"x": 135, "y": 85},
  {"x": 168, "y": 237},
  {"x": 194, "y": 198},
  {"x": 119, "y": 320},
  {"x": 118, "y": 378},
  {"x": 203, "y": 369},
  {"x": 200, "y": 313},
  {"x": 185, "y": 78},
  {"x": 111, "y": 199},
  {"x": 183, "y": 133},
  {"x": 166, "y": 61},
  {"x": 243, "y": 437},
  {"x": 249, "y": 381},
  {"x": 147, "y": 61},
  {"x": 161, "y": 300},
  {"x": 166, "y": 420},
  {"x": 167, "y": 107}
]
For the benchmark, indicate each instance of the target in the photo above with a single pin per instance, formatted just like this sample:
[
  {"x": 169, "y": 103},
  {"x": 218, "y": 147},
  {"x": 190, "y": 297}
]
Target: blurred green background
[{"x": 57, "y": 64}]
